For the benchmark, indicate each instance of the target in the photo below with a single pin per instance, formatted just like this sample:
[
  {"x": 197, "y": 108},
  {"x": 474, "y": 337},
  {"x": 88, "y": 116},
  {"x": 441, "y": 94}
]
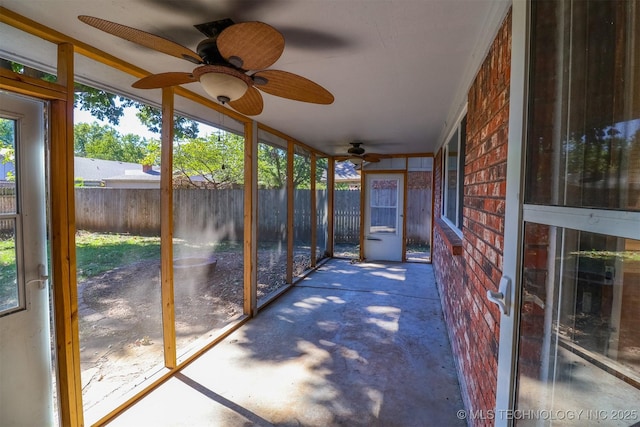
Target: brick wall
[
  {"x": 535, "y": 276},
  {"x": 465, "y": 269},
  {"x": 418, "y": 180}
]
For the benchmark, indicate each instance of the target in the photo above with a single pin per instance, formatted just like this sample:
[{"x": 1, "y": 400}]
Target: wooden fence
[
  {"x": 418, "y": 216},
  {"x": 217, "y": 215},
  {"x": 7, "y": 205},
  {"x": 346, "y": 222}
]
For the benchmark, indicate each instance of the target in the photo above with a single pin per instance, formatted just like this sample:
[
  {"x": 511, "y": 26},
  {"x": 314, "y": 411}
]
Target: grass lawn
[
  {"x": 8, "y": 289},
  {"x": 97, "y": 253}
]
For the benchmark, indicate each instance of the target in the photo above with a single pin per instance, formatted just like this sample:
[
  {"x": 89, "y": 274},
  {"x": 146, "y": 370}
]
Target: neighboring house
[
  {"x": 143, "y": 177},
  {"x": 346, "y": 173},
  {"x": 114, "y": 174},
  {"x": 101, "y": 173},
  {"x": 6, "y": 169}
]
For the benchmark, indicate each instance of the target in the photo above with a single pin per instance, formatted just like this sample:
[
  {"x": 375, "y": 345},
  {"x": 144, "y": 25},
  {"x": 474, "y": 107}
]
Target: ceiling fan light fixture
[{"x": 223, "y": 87}]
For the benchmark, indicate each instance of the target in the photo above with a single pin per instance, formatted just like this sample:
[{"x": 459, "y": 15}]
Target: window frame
[
  {"x": 16, "y": 217},
  {"x": 460, "y": 131},
  {"x": 395, "y": 207}
]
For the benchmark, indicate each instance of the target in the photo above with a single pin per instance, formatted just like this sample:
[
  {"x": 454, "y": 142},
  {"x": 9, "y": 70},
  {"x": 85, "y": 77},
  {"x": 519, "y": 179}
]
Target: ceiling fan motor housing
[
  {"x": 355, "y": 149},
  {"x": 208, "y": 51}
]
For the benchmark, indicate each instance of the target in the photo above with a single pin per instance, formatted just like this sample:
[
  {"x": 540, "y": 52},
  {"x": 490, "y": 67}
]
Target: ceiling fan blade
[
  {"x": 370, "y": 159},
  {"x": 155, "y": 81},
  {"x": 142, "y": 38},
  {"x": 250, "y": 104},
  {"x": 375, "y": 157},
  {"x": 292, "y": 86},
  {"x": 257, "y": 44}
]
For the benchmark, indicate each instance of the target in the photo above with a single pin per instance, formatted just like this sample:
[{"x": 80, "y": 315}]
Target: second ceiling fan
[
  {"x": 357, "y": 154},
  {"x": 232, "y": 63}
]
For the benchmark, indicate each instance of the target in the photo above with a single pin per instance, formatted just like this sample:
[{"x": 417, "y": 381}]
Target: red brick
[{"x": 464, "y": 280}]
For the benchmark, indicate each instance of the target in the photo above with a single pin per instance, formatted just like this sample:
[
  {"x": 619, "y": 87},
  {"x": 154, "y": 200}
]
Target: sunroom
[{"x": 154, "y": 201}]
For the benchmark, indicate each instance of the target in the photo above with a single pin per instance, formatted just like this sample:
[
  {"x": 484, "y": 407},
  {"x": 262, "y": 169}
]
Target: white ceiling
[{"x": 399, "y": 69}]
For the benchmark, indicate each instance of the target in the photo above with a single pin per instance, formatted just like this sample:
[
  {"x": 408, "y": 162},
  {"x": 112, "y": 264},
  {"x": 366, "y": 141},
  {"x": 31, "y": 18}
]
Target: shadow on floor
[{"x": 352, "y": 344}]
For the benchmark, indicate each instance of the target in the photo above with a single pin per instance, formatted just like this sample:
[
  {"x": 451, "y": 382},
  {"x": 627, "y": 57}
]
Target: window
[
  {"x": 301, "y": 211},
  {"x": 11, "y": 295},
  {"x": 592, "y": 145},
  {"x": 384, "y": 206},
  {"x": 321, "y": 207},
  {"x": 453, "y": 175},
  {"x": 272, "y": 216}
]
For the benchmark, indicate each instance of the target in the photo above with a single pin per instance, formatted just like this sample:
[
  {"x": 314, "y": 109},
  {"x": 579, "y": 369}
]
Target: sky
[{"x": 129, "y": 123}]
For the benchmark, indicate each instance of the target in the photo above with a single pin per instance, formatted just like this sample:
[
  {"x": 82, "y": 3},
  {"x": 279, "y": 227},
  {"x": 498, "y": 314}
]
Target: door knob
[
  {"x": 502, "y": 297},
  {"x": 43, "y": 277}
]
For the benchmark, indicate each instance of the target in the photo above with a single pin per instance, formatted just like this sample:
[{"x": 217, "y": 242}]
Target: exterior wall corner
[{"x": 463, "y": 280}]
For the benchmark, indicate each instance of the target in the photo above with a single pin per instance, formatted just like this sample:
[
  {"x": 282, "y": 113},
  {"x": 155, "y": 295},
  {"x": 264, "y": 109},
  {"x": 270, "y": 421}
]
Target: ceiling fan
[
  {"x": 232, "y": 63},
  {"x": 356, "y": 154}
]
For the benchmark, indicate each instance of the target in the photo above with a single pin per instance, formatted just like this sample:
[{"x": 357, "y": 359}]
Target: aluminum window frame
[
  {"x": 16, "y": 216},
  {"x": 460, "y": 130}
]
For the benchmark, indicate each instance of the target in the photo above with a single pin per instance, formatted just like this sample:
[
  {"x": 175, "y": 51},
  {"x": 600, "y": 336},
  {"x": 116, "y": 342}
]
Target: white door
[
  {"x": 25, "y": 349},
  {"x": 383, "y": 226},
  {"x": 569, "y": 342}
]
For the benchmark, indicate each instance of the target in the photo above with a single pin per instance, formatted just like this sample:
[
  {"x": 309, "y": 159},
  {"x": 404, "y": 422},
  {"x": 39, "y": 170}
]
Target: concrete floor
[{"x": 351, "y": 345}]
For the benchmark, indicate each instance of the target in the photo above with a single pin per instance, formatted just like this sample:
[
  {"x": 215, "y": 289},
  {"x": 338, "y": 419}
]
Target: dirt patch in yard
[{"x": 120, "y": 316}]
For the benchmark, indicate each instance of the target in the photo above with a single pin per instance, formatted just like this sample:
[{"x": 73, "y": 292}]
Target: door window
[
  {"x": 384, "y": 206},
  {"x": 11, "y": 292},
  {"x": 579, "y": 324},
  {"x": 580, "y": 285}
]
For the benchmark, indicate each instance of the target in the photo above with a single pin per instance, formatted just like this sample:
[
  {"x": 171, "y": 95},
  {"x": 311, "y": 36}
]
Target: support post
[
  {"x": 166, "y": 231},
  {"x": 290, "y": 210},
  {"x": 63, "y": 245},
  {"x": 314, "y": 211},
  {"x": 331, "y": 183},
  {"x": 250, "y": 306}
]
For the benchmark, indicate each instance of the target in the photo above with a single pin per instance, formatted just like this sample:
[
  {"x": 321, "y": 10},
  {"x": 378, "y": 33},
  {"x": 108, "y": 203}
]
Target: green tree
[
  {"x": 85, "y": 133},
  {"x": 151, "y": 117},
  {"x": 302, "y": 171},
  {"x": 7, "y": 141},
  {"x": 7, "y": 133},
  {"x": 272, "y": 166},
  {"x": 104, "y": 142},
  {"x": 26, "y": 71},
  {"x": 134, "y": 148},
  {"x": 219, "y": 162},
  {"x": 107, "y": 106},
  {"x": 212, "y": 161},
  {"x": 152, "y": 157}
]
